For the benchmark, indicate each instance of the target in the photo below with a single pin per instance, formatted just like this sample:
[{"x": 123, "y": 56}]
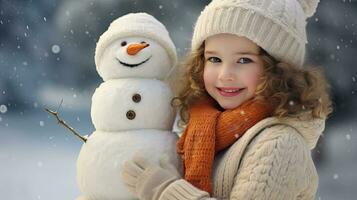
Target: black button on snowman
[
  {"x": 130, "y": 114},
  {"x": 136, "y": 98},
  {"x": 131, "y": 109}
]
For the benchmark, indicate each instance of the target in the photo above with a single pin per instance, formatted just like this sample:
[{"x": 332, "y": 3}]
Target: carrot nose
[{"x": 133, "y": 49}]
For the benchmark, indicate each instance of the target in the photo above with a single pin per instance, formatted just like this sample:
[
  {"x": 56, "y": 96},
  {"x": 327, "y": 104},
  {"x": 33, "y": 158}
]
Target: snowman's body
[
  {"x": 130, "y": 115},
  {"x": 131, "y": 110},
  {"x": 148, "y": 99},
  {"x": 101, "y": 158}
]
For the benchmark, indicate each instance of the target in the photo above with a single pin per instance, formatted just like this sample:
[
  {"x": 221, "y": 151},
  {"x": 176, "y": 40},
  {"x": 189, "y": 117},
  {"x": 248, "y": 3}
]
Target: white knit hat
[
  {"x": 278, "y": 26},
  {"x": 136, "y": 25}
]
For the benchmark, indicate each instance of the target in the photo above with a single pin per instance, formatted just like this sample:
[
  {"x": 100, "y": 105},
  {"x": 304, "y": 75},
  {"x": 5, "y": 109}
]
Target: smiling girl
[
  {"x": 251, "y": 111},
  {"x": 232, "y": 69}
]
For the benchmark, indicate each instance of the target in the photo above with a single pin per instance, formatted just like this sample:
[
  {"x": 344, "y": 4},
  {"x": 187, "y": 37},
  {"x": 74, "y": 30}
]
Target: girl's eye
[
  {"x": 244, "y": 60},
  {"x": 214, "y": 59}
]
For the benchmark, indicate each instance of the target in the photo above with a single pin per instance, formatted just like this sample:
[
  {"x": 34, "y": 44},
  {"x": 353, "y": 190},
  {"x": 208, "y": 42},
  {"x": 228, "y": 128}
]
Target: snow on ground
[{"x": 38, "y": 157}]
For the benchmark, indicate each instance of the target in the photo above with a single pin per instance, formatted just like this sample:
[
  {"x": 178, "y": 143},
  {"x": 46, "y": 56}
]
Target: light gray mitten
[{"x": 147, "y": 180}]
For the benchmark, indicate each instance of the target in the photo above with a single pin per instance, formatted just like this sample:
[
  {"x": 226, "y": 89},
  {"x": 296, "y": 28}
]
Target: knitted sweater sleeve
[
  {"x": 183, "y": 190},
  {"x": 276, "y": 166}
]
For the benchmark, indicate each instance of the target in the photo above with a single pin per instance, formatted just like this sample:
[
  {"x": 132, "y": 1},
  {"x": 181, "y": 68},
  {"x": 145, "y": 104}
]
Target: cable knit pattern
[
  {"x": 272, "y": 160},
  {"x": 280, "y": 172}
]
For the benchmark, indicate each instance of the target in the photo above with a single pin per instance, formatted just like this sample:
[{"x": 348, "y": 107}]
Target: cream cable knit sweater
[{"x": 271, "y": 160}]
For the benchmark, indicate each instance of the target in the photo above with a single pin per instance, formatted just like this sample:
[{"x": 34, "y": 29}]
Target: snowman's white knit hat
[
  {"x": 136, "y": 25},
  {"x": 278, "y": 26}
]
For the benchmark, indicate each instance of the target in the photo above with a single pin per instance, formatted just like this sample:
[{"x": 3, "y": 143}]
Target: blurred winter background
[{"x": 46, "y": 54}]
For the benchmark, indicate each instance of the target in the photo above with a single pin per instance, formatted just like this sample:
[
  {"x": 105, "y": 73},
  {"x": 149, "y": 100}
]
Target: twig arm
[{"x": 63, "y": 123}]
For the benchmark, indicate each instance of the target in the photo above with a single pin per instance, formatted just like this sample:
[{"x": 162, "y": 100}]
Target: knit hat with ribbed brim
[
  {"x": 136, "y": 25},
  {"x": 277, "y": 26}
]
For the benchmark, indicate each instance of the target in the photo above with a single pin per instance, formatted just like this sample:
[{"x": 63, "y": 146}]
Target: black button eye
[
  {"x": 143, "y": 42},
  {"x": 123, "y": 43}
]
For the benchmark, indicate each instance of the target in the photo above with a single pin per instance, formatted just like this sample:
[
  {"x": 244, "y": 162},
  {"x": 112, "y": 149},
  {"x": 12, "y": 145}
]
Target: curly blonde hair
[{"x": 291, "y": 89}]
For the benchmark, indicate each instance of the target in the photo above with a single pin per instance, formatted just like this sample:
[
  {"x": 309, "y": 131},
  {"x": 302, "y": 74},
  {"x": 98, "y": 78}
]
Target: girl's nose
[
  {"x": 133, "y": 49},
  {"x": 226, "y": 74}
]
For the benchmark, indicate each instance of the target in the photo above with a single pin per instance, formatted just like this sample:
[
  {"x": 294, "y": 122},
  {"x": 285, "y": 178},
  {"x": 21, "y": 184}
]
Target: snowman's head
[
  {"x": 135, "y": 45},
  {"x": 134, "y": 57}
]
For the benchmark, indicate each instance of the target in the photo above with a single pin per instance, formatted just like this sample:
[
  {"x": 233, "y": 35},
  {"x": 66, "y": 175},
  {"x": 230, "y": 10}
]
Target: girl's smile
[
  {"x": 232, "y": 69},
  {"x": 229, "y": 91}
]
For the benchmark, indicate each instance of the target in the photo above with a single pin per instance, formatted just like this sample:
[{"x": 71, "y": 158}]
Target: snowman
[{"x": 131, "y": 109}]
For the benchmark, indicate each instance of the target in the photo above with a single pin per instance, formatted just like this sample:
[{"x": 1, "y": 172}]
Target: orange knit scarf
[{"x": 209, "y": 130}]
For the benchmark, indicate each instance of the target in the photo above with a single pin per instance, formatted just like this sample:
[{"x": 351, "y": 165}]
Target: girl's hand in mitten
[{"x": 146, "y": 180}]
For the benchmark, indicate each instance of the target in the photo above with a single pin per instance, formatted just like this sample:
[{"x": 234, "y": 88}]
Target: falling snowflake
[
  {"x": 335, "y": 176},
  {"x": 242, "y": 112},
  {"x": 56, "y": 49},
  {"x": 42, "y": 123},
  {"x": 348, "y": 137},
  {"x": 3, "y": 109},
  {"x": 291, "y": 103}
]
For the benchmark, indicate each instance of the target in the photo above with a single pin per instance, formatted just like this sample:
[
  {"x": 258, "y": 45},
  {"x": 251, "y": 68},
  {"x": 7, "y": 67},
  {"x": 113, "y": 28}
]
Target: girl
[{"x": 251, "y": 112}]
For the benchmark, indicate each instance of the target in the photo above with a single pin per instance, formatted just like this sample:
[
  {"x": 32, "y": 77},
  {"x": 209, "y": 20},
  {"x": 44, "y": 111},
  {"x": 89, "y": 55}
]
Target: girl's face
[{"x": 232, "y": 70}]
